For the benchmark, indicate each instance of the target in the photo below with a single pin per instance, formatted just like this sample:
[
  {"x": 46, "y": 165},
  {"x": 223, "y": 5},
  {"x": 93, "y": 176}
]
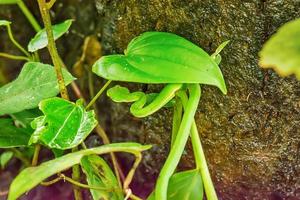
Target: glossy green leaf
[
  {"x": 158, "y": 57},
  {"x": 40, "y": 40},
  {"x": 185, "y": 185},
  {"x": 36, "y": 82},
  {"x": 5, "y": 157},
  {"x": 21, "y": 185},
  {"x": 11, "y": 136},
  {"x": 4, "y": 23},
  {"x": 64, "y": 124},
  {"x": 282, "y": 51},
  {"x": 99, "y": 174},
  {"x": 9, "y": 1}
]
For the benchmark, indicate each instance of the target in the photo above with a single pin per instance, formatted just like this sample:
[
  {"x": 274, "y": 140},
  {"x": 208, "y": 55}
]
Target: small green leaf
[
  {"x": 282, "y": 51},
  {"x": 9, "y": 1},
  {"x": 4, "y": 22},
  {"x": 40, "y": 40},
  {"x": 20, "y": 184},
  {"x": 5, "y": 157},
  {"x": 36, "y": 82},
  {"x": 99, "y": 174},
  {"x": 185, "y": 185},
  {"x": 64, "y": 124},
  {"x": 11, "y": 136}
]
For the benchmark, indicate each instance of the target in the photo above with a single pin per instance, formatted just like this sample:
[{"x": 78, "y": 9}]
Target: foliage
[
  {"x": 282, "y": 51},
  {"x": 98, "y": 173},
  {"x": 5, "y": 157},
  {"x": 20, "y": 185},
  {"x": 11, "y": 136},
  {"x": 64, "y": 124},
  {"x": 36, "y": 82},
  {"x": 158, "y": 57},
  {"x": 40, "y": 40},
  {"x": 185, "y": 185}
]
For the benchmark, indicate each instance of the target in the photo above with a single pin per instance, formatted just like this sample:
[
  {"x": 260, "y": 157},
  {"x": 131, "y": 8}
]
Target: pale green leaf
[
  {"x": 11, "y": 136},
  {"x": 282, "y": 51},
  {"x": 40, "y": 40},
  {"x": 99, "y": 174},
  {"x": 21, "y": 183},
  {"x": 4, "y": 22},
  {"x": 64, "y": 124},
  {"x": 185, "y": 185},
  {"x": 5, "y": 157},
  {"x": 36, "y": 82}
]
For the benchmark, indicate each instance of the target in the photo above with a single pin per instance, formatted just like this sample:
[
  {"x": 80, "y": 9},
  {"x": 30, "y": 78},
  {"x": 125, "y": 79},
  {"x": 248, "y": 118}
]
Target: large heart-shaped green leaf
[
  {"x": 36, "y": 82},
  {"x": 32, "y": 176},
  {"x": 282, "y": 51},
  {"x": 40, "y": 40},
  {"x": 99, "y": 174},
  {"x": 185, "y": 185},
  {"x": 64, "y": 124},
  {"x": 11, "y": 136},
  {"x": 159, "y": 57}
]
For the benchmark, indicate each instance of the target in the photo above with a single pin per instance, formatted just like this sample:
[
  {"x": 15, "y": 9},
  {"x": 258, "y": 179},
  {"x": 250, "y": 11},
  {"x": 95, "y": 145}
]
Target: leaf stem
[
  {"x": 76, "y": 176},
  {"x": 52, "y": 48},
  {"x": 199, "y": 155},
  {"x": 11, "y": 37},
  {"x": 14, "y": 57},
  {"x": 98, "y": 94},
  {"x": 36, "y": 155},
  {"x": 29, "y": 16},
  {"x": 179, "y": 143}
]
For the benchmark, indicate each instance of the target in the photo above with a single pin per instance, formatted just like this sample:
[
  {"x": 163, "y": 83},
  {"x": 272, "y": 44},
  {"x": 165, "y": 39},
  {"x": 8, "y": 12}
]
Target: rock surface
[{"x": 251, "y": 136}]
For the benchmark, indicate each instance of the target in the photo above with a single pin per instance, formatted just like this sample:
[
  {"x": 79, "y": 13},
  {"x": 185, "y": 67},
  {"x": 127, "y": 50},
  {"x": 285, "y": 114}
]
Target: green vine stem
[
  {"x": 52, "y": 48},
  {"x": 199, "y": 155},
  {"x": 11, "y": 37},
  {"x": 180, "y": 142},
  {"x": 98, "y": 94},
  {"x": 62, "y": 88},
  {"x": 29, "y": 16},
  {"x": 35, "y": 158},
  {"x": 14, "y": 57}
]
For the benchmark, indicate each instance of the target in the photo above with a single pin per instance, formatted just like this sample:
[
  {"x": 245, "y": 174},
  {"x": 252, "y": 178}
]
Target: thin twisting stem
[
  {"x": 128, "y": 179},
  {"x": 14, "y": 57},
  {"x": 11, "y": 37}
]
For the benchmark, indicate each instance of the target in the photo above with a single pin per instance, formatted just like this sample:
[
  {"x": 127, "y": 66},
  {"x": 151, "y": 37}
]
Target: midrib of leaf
[{"x": 62, "y": 126}]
